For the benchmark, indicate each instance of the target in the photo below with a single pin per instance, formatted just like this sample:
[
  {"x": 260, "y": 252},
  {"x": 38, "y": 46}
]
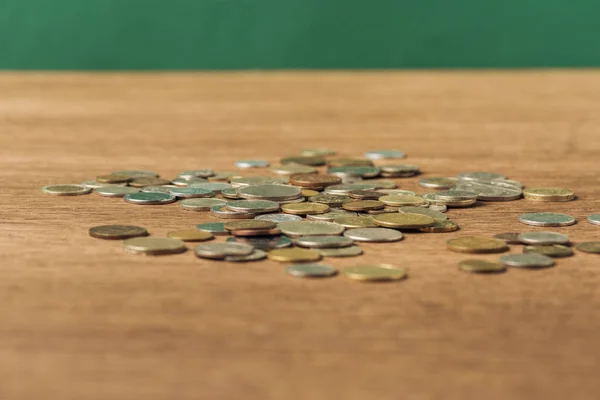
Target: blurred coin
[
  {"x": 531, "y": 260},
  {"x": 256, "y": 232},
  {"x": 349, "y": 251},
  {"x": 256, "y": 255},
  {"x": 396, "y": 200},
  {"x": 310, "y": 228},
  {"x": 187, "y": 182},
  {"x": 215, "y": 228},
  {"x": 222, "y": 250},
  {"x": 311, "y": 270},
  {"x": 384, "y": 154},
  {"x": 546, "y": 219},
  {"x": 251, "y": 164},
  {"x": 438, "y": 183},
  {"x": 253, "y": 206},
  {"x": 332, "y": 200},
  {"x": 460, "y": 203},
  {"x": 314, "y": 180},
  {"x": 201, "y": 204},
  {"x": 403, "y": 220},
  {"x": 355, "y": 222},
  {"x": 230, "y": 194},
  {"x": 550, "y": 250},
  {"x": 115, "y": 191},
  {"x": 594, "y": 219},
  {"x": 375, "y": 272},
  {"x": 363, "y": 205},
  {"x": 548, "y": 194},
  {"x": 481, "y": 176},
  {"x": 323, "y": 242},
  {"x": 436, "y": 215},
  {"x": 198, "y": 173},
  {"x": 542, "y": 238},
  {"x": 509, "y": 237},
  {"x": 112, "y": 232},
  {"x": 238, "y": 182},
  {"x": 331, "y": 215},
  {"x": 225, "y": 213},
  {"x": 151, "y": 198},
  {"x": 363, "y": 171},
  {"x": 456, "y": 195},
  {"x": 141, "y": 182},
  {"x": 400, "y": 170},
  {"x": 477, "y": 244},
  {"x": 490, "y": 191},
  {"x": 397, "y": 192},
  {"x": 373, "y": 235},
  {"x": 66, "y": 190},
  {"x": 224, "y": 176},
  {"x": 215, "y": 187},
  {"x": 137, "y": 174},
  {"x": 317, "y": 152},
  {"x": 292, "y": 169},
  {"x": 113, "y": 178},
  {"x": 278, "y": 217},
  {"x": 431, "y": 198},
  {"x": 96, "y": 185},
  {"x": 341, "y": 162},
  {"x": 344, "y": 189},
  {"x": 481, "y": 266},
  {"x": 305, "y": 208},
  {"x": 313, "y": 161},
  {"x": 263, "y": 242},
  {"x": 249, "y": 224},
  {"x": 153, "y": 246},
  {"x": 269, "y": 192},
  {"x": 382, "y": 184},
  {"x": 441, "y": 227},
  {"x": 438, "y": 207},
  {"x": 189, "y": 193},
  {"x": 190, "y": 235},
  {"x": 298, "y": 200},
  {"x": 588, "y": 247},
  {"x": 158, "y": 189},
  {"x": 365, "y": 194},
  {"x": 309, "y": 192},
  {"x": 293, "y": 255}
]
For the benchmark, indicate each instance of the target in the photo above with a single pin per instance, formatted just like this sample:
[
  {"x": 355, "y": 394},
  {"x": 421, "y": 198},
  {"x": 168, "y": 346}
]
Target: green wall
[{"x": 242, "y": 34}]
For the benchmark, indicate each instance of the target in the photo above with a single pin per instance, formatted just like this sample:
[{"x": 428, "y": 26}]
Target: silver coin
[
  {"x": 216, "y": 187},
  {"x": 322, "y": 151},
  {"x": 198, "y": 173},
  {"x": 332, "y": 200},
  {"x": 223, "y": 212},
  {"x": 543, "y": 238},
  {"x": 251, "y": 164},
  {"x": 433, "y": 199},
  {"x": 350, "y": 251},
  {"x": 344, "y": 188},
  {"x": 351, "y": 170},
  {"x": 216, "y": 228},
  {"x": 278, "y": 217},
  {"x": 222, "y": 250},
  {"x": 298, "y": 200},
  {"x": 137, "y": 174},
  {"x": 153, "y": 246},
  {"x": 201, "y": 204},
  {"x": 291, "y": 169},
  {"x": 490, "y": 191},
  {"x": 528, "y": 260},
  {"x": 115, "y": 191},
  {"x": 384, "y": 154},
  {"x": 256, "y": 255},
  {"x": 546, "y": 219},
  {"x": 438, "y": 183},
  {"x": 594, "y": 219},
  {"x": 238, "y": 182},
  {"x": 510, "y": 182},
  {"x": 190, "y": 193},
  {"x": 480, "y": 176},
  {"x": 310, "y": 228},
  {"x": 331, "y": 215},
  {"x": 159, "y": 189},
  {"x": 230, "y": 194},
  {"x": 253, "y": 206},
  {"x": 397, "y": 192},
  {"x": 66, "y": 190},
  {"x": 454, "y": 195},
  {"x": 187, "y": 182},
  {"x": 96, "y": 185},
  {"x": 149, "y": 198},
  {"x": 373, "y": 235},
  {"x": 323, "y": 242},
  {"x": 438, "y": 207},
  {"x": 382, "y": 184},
  {"x": 349, "y": 180},
  {"x": 277, "y": 192},
  {"x": 311, "y": 270},
  {"x": 263, "y": 242},
  {"x": 399, "y": 170},
  {"x": 438, "y": 216}
]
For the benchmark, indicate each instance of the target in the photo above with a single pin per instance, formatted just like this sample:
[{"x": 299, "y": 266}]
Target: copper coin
[
  {"x": 114, "y": 232},
  {"x": 365, "y": 194},
  {"x": 363, "y": 205},
  {"x": 314, "y": 180},
  {"x": 256, "y": 232}
]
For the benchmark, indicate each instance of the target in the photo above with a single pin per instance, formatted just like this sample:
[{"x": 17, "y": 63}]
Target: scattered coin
[
  {"x": 187, "y": 182},
  {"x": 222, "y": 250},
  {"x": 397, "y": 192},
  {"x": 375, "y": 272},
  {"x": 150, "y": 198},
  {"x": 362, "y": 171},
  {"x": 594, "y": 219},
  {"x": 137, "y": 174},
  {"x": 249, "y": 224},
  {"x": 113, "y": 178},
  {"x": 313, "y": 161},
  {"x": 253, "y": 206},
  {"x": 256, "y": 255},
  {"x": 403, "y": 220},
  {"x": 141, "y": 182},
  {"x": 112, "y": 232},
  {"x": 314, "y": 180},
  {"x": 341, "y": 162},
  {"x": 490, "y": 191},
  {"x": 239, "y": 182},
  {"x": 397, "y": 200},
  {"x": 477, "y": 244},
  {"x": 438, "y": 183},
  {"x": 158, "y": 189},
  {"x": 323, "y": 242},
  {"x": 251, "y": 164},
  {"x": 436, "y": 215},
  {"x": 263, "y": 242},
  {"x": 311, "y": 270},
  {"x": 550, "y": 250},
  {"x": 201, "y": 204},
  {"x": 215, "y": 187},
  {"x": 349, "y": 251},
  {"x": 456, "y": 195},
  {"x": 531, "y": 260},
  {"x": 542, "y": 238},
  {"x": 481, "y": 266},
  {"x": 355, "y": 222},
  {"x": 230, "y": 194},
  {"x": 257, "y": 232},
  {"x": 309, "y": 193},
  {"x": 223, "y": 176},
  {"x": 304, "y": 208},
  {"x": 331, "y": 215},
  {"x": 399, "y": 170},
  {"x": 278, "y": 217},
  {"x": 362, "y": 205},
  {"x": 317, "y": 152},
  {"x": 509, "y": 237},
  {"x": 225, "y": 213},
  {"x": 291, "y": 169},
  {"x": 345, "y": 188},
  {"x": 588, "y": 247},
  {"x": 332, "y": 200},
  {"x": 271, "y": 192},
  {"x": 546, "y": 219},
  {"x": 215, "y": 228},
  {"x": 438, "y": 207},
  {"x": 66, "y": 190},
  {"x": 373, "y": 235},
  {"x": 480, "y": 176},
  {"x": 441, "y": 227},
  {"x": 548, "y": 194},
  {"x": 191, "y": 192},
  {"x": 96, "y": 185},
  {"x": 153, "y": 246},
  {"x": 310, "y": 228},
  {"x": 198, "y": 173},
  {"x": 115, "y": 191},
  {"x": 294, "y": 255},
  {"x": 432, "y": 199},
  {"x": 190, "y": 235},
  {"x": 384, "y": 154},
  {"x": 365, "y": 194}
]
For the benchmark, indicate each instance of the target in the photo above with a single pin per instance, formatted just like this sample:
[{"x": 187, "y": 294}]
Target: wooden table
[{"x": 80, "y": 319}]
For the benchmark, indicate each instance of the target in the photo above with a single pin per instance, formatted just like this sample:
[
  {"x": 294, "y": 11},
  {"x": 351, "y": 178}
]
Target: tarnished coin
[
  {"x": 201, "y": 204},
  {"x": 256, "y": 232},
  {"x": 150, "y": 198},
  {"x": 320, "y": 151},
  {"x": 323, "y": 242},
  {"x": 550, "y": 250},
  {"x": 256, "y": 255},
  {"x": 341, "y": 162},
  {"x": 397, "y": 192},
  {"x": 294, "y": 255},
  {"x": 403, "y": 220},
  {"x": 238, "y": 182},
  {"x": 251, "y": 164},
  {"x": 309, "y": 193},
  {"x": 477, "y": 244},
  {"x": 298, "y": 200},
  {"x": 588, "y": 247},
  {"x": 278, "y": 217},
  {"x": 304, "y": 208},
  {"x": 353, "y": 170},
  {"x": 481, "y": 266},
  {"x": 546, "y": 219},
  {"x": 224, "y": 176},
  {"x": 189, "y": 193},
  {"x": 197, "y": 173},
  {"x": 373, "y": 235},
  {"x": 355, "y": 222},
  {"x": 115, "y": 191},
  {"x": 542, "y": 238},
  {"x": 113, "y": 178},
  {"x": 311, "y": 270},
  {"x": 350, "y": 251},
  {"x": 441, "y": 227},
  {"x": 375, "y": 272},
  {"x": 399, "y": 170},
  {"x": 594, "y": 219},
  {"x": 277, "y": 192},
  {"x": 314, "y": 180},
  {"x": 112, "y": 232},
  {"x": 137, "y": 174},
  {"x": 66, "y": 190},
  {"x": 96, "y": 185},
  {"x": 438, "y": 183},
  {"x": 249, "y": 224},
  {"x": 396, "y": 200},
  {"x": 332, "y": 200},
  {"x": 480, "y": 176},
  {"x": 384, "y": 154},
  {"x": 331, "y": 215},
  {"x": 141, "y": 182},
  {"x": 362, "y": 205},
  {"x": 490, "y": 191},
  {"x": 215, "y": 228},
  {"x": 382, "y": 184},
  {"x": 187, "y": 182},
  {"x": 456, "y": 195},
  {"x": 225, "y": 213},
  {"x": 291, "y": 169},
  {"x": 509, "y": 237},
  {"x": 154, "y": 246},
  {"x": 548, "y": 194},
  {"x": 216, "y": 187},
  {"x": 313, "y": 161},
  {"x": 310, "y": 228},
  {"x": 530, "y": 260},
  {"x": 365, "y": 194},
  {"x": 459, "y": 203},
  {"x": 436, "y": 215},
  {"x": 438, "y": 207},
  {"x": 253, "y": 206},
  {"x": 263, "y": 242},
  {"x": 230, "y": 194},
  {"x": 432, "y": 199},
  {"x": 344, "y": 188},
  {"x": 221, "y": 250},
  {"x": 190, "y": 235},
  {"x": 158, "y": 189}
]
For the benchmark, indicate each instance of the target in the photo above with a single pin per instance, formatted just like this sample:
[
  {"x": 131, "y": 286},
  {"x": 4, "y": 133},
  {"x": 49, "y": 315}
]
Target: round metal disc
[
  {"x": 311, "y": 270},
  {"x": 278, "y": 217},
  {"x": 270, "y": 192},
  {"x": 66, "y": 190},
  {"x": 222, "y": 250},
  {"x": 151, "y": 198},
  {"x": 509, "y": 237},
  {"x": 374, "y": 235},
  {"x": 256, "y": 255},
  {"x": 343, "y": 189},
  {"x": 115, "y": 191},
  {"x": 216, "y": 187},
  {"x": 546, "y": 219},
  {"x": 480, "y": 176},
  {"x": 216, "y": 228},
  {"x": 375, "y": 272},
  {"x": 589, "y": 247},
  {"x": 262, "y": 242},
  {"x": 530, "y": 260},
  {"x": 223, "y": 212},
  {"x": 201, "y": 204},
  {"x": 481, "y": 266},
  {"x": 153, "y": 246},
  {"x": 253, "y": 206},
  {"x": 594, "y": 219},
  {"x": 323, "y": 242},
  {"x": 542, "y": 238},
  {"x": 198, "y": 173},
  {"x": 114, "y": 232},
  {"x": 159, "y": 189},
  {"x": 349, "y": 251},
  {"x": 190, "y": 192},
  {"x": 384, "y": 154},
  {"x": 251, "y": 164},
  {"x": 137, "y": 174},
  {"x": 310, "y": 228}
]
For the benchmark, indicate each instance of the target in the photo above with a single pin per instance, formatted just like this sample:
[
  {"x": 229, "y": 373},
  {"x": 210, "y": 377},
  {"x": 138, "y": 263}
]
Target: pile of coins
[{"x": 300, "y": 216}]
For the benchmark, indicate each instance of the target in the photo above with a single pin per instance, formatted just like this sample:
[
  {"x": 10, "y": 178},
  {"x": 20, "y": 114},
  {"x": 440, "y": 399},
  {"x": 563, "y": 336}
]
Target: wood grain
[{"x": 80, "y": 319}]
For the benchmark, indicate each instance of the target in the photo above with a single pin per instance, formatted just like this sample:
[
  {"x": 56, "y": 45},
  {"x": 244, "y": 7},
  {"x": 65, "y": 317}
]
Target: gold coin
[
  {"x": 294, "y": 255},
  {"x": 550, "y": 250},
  {"x": 66, "y": 190},
  {"x": 112, "y": 232},
  {"x": 304, "y": 208},
  {"x": 375, "y": 272},
  {"x": 589, "y": 247},
  {"x": 363, "y": 205},
  {"x": 251, "y": 224},
  {"x": 403, "y": 220},
  {"x": 481, "y": 266},
  {"x": 477, "y": 244},
  {"x": 355, "y": 222},
  {"x": 141, "y": 182},
  {"x": 309, "y": 193},
  {"x": 190, "y": 235},
  {"x": 292, "y": 169},
  {"x": 441, "y": 226},
  {"x": 402, "y": 200},
  {"x": 314, "y": 180},
  {"x": 113, "y": 178},
  {"x": 548, "y": 194},
  {"x": 154, "y": 246}
]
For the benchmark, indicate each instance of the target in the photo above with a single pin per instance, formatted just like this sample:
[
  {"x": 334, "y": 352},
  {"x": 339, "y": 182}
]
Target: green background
[{"x": 266, "y": 34}]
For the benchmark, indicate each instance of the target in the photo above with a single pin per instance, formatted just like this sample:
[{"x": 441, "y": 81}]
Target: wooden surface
[{"x": 80, "y": 319}]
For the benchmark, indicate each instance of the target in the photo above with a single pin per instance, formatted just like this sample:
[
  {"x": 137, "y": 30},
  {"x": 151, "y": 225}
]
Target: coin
[
  {"x": 490, "y": 191},
  {"x": 313, "y": 161},
  {"x": 223, "y": 176},
  {"x": 548, "y": 194},
  {"x": 216, "y": 187},
  {"x": 332, "y": 200},
  {"x": 456, "y": 195},
  {"x": 543, "y": 238},
  {"x": 190, "y": 192},
  {"x": 509, "y": 237},
  {"x": 158, "y": 189},
  {"x": 96, "y": 185},
  {"x": 550, "y": 250},
  {"x": 341, "y": 162},
  {"x": 310, "y": 228},
  {"x": 355, "y": 222},
  {"x": 349, "y": 251},
  {"x": 344, "y": 188},
  {"x": 546, "y": 219},
  {"x": 311, "y": 270},
  {"x": 384, "y": 154},
  {"x": 397, "y": 192},
  {"x": 320, "y": 151},
  {"x": 363, "y": 171},
  {"x": 151, "y": 198},
  {"x": 375, "y": 272},
  {"x": 477, "y": 244},
  {"x": 137, "y": 174},
  {"x": 269, "y": 192},
  {"x": 278, "y": 217},
  {"x": 459, "y": 203},
  {"x": 293, "y": 255},
  {"x": 256, "y": 255},
  {"x": 186, "y": 182},
  {"x": 141, "y": 182},
  {"x": 201, "y": 204},
  {"x": 221, "y": 250},
  {"x": 481, "y": 266},
  {"x": 249, "y": 224},
  {"x": 331, "y": 215},
  {"x": 298, "y": 200},
  {"x": 291, "y": 169},
  {"x": 365, "y": 194},
  {"x": 399, "y": 170},
  {"x": 239, "y": 182},
  {"x": 436, "y": 215},
  {"x": 438, "y": 182},
  {"x": 253, "y": 206},
  {"x": 397, "y": 200},
  {"x": 323, "y": 242},
  {"x": 115, "y": 191},
  {"x": 112, "y": 232},
  {"x": 588, "y": 247},
  {"x": 225, "y": 213},
  {"x": 403, "y": 220},
  {"x": 66, "y": 190},
  {"x": 251, "y": 164},
  {"x": 230, "y": 194},
  {"x": 441, "y": 227},
  {"x": 304, "y": 208},
  {"x": 190, "y": 235},
  {"x": 309, "y": 193},
  {"x": 153, "y": 246},
  {"x": 363, "y": 205},
  {"x": 256, "y": 232},
  {"x": 481, "y": 176},
  {"x": 374, "y": 235},
  {"x": 594, "y": 219},
  {"x": 216, "y": 228},
  {"x": 263, "y": 242},
  {"x": 197, "y": 173},
  {"x": 438, "y": 207},
  {"x": 531, "y": 260},
  {"x": 113, "y": 178},
  {"x": 314, "y": 180},
  {"x": 431, "y": 198}
]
